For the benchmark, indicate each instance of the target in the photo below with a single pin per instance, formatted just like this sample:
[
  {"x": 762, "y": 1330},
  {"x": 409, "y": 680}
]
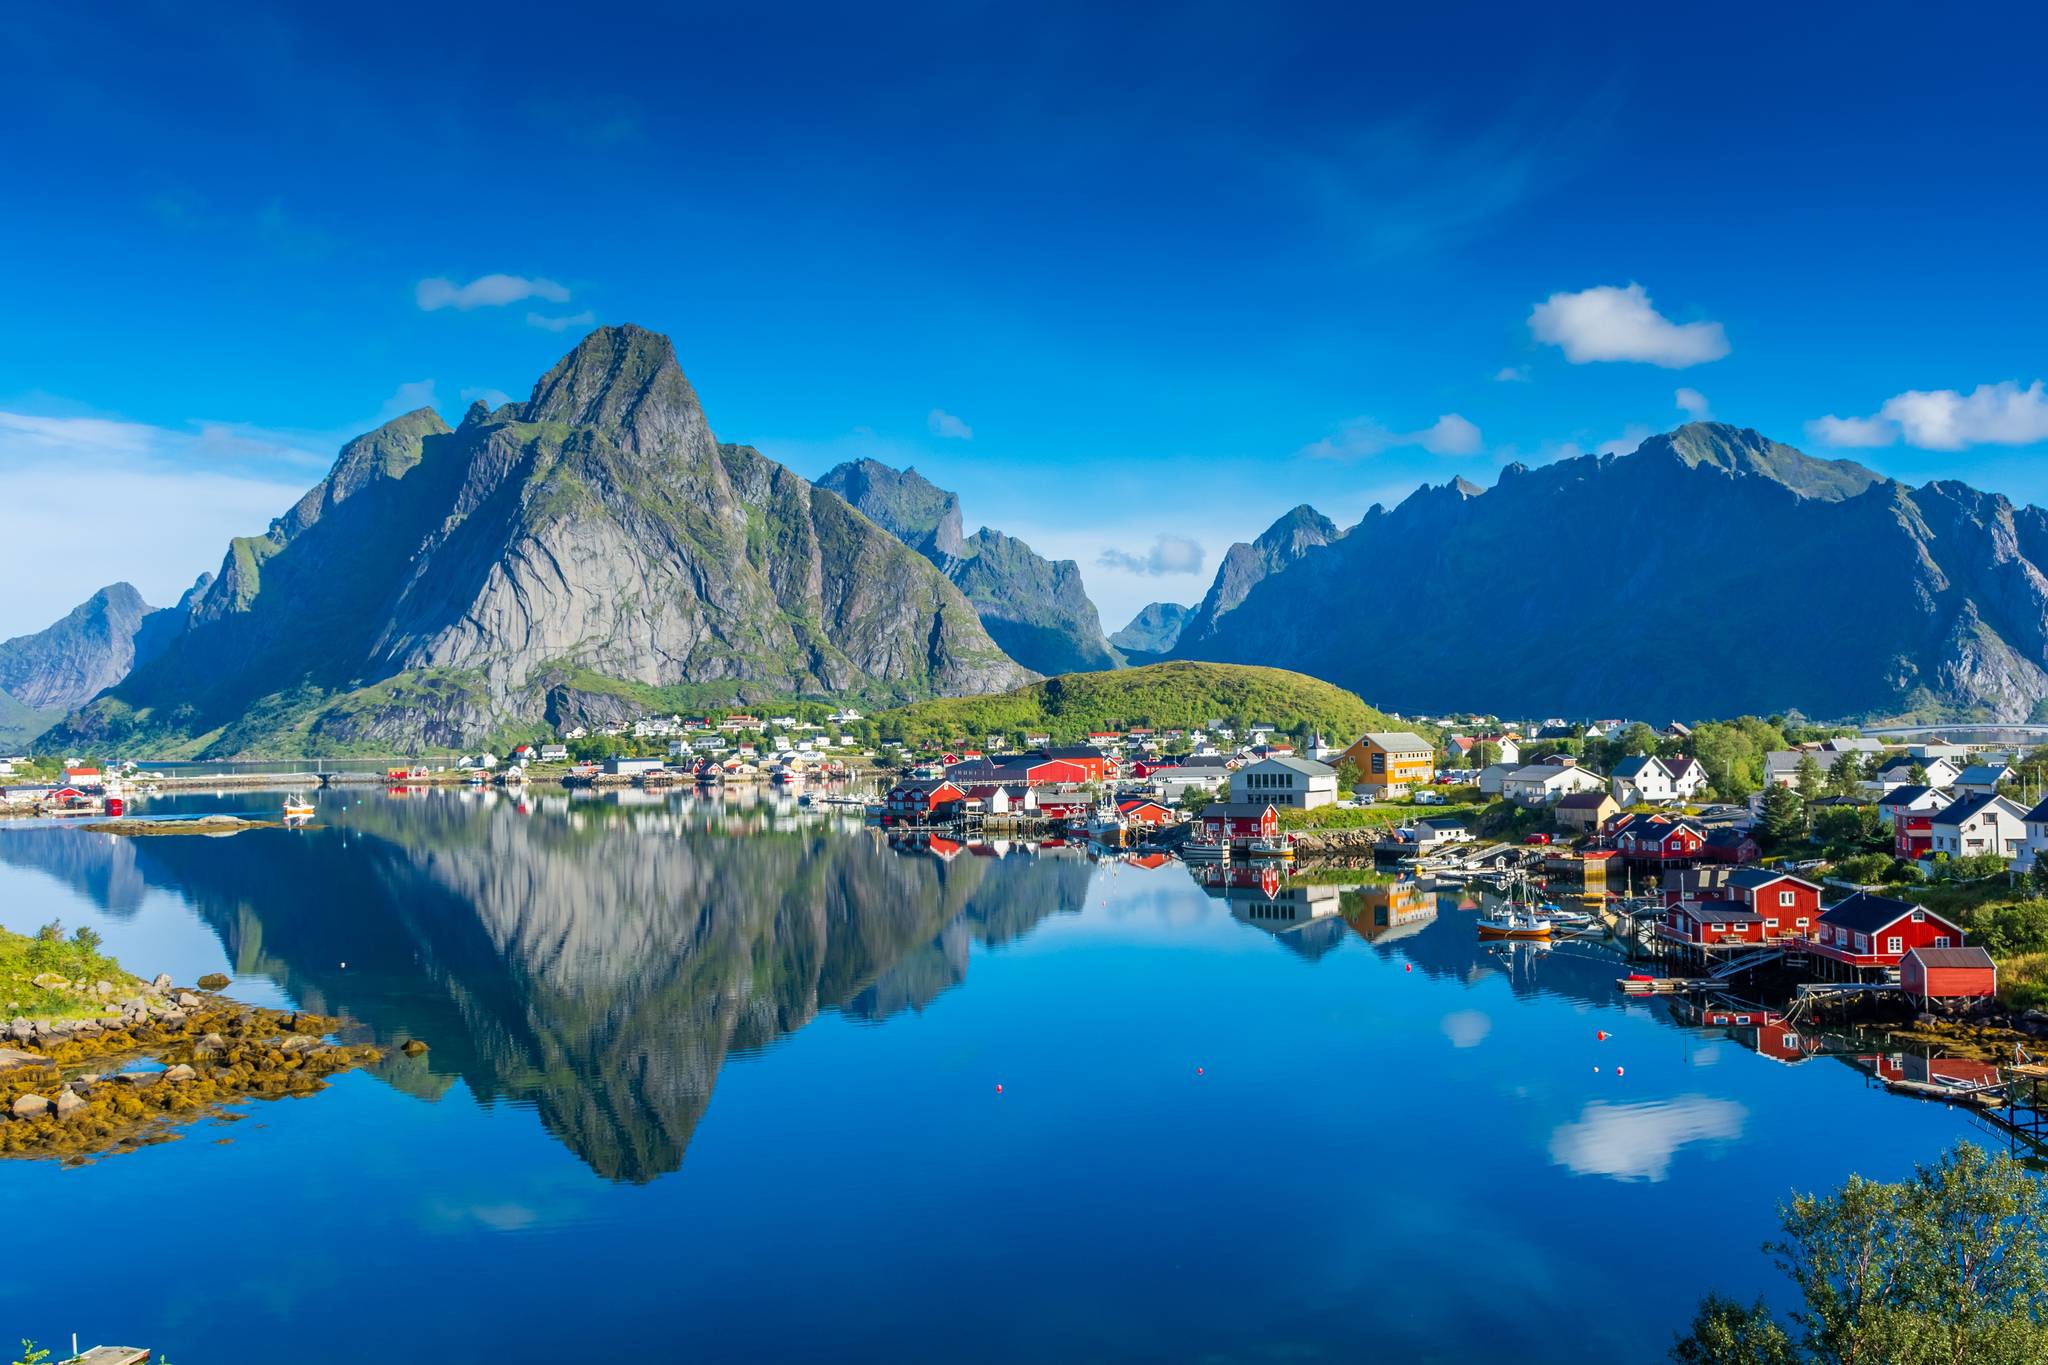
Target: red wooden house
[
  {"x": 1877, "y": 931},
  {"x": 1913, "y": 834},
  {"x": 920, "y": 799},
  {"x": 1790, "y": 904},
  {"x": 1145, "y": 767},
  {"x": 1729, "y": 845},
  {"x": 1094, "y": 764},
  {"x": 1065, "y": 805},
  {"x": 1656, "y": 839},
  {"x": 1139, "y": 811},
  {"x": 1712, "y": 924},
  {"x": 1697, "y": 884},
  {"x": 1948, "y": 974},
  {"x": 1235, "y": 821}
]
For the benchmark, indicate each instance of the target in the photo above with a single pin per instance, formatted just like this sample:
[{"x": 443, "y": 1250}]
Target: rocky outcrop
[
  {"x": 1035, "y": 608},
  {"x": 440, "y": 583},
  {"x": 1709, "y": 573}
]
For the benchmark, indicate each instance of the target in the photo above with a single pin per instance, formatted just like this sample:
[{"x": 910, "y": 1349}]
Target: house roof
[
  {"x": 1983, "y": 774},
  {"x": 1636, "y": 764},
  {"x": 1545, "y": 772},
  {"x": 1969, "y": 807},
  {"x": 1583, "y": 801},
  {"x": 1906, "y": 796},
  {"x": 1753, "y": 877},
  {"x": 1397, "y": 741},
  {"x": 1727, "y": 836},
  {"x": 1075, "y": 751},
  {"x": 1440, "y": 822},
  {"x": 1953, "y": 957},
  {"x": 1703, "y": 879},
  {"x": 1866, "y": 914},
  {"x": 1306, "y": 766},
  {"x": 1236, "y": 810},
  {"x": 1724, "y": 912}
]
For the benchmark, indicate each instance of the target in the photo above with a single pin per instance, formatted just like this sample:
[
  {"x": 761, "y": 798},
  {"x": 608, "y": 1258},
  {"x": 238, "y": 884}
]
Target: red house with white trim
[
  {"x": 920, "y": 799},
  {"x": 1140, "y": 811},
  {"x": 1233, "y": 821},
  {"x": 1654, "y": 839},
  {"x": 1948, "y": 974},
  {"x": 1878, "y": 931}
]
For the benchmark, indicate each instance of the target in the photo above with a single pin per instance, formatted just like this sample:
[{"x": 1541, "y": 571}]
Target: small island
[{"x": 95, "y": 1061}]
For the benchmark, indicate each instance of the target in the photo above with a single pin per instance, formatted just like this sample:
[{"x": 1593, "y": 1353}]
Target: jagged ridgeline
[
  {"x": 1711, "y": 572},
  {"x": 1034, "y": 607},
  {"x": 580, "y": 964},
  {"x": 535, "y": 565}
]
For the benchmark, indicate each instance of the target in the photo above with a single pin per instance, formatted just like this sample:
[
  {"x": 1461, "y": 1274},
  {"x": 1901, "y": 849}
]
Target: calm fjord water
[{"x": 722, "y": 1082}]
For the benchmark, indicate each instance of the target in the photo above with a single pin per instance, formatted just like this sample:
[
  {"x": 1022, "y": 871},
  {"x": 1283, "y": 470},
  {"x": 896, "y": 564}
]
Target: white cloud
[
  {"x": 942, "y": 423},
  {"x": 485, "y": 291},
  {"x": 1449, "y": 434},
  {"x": 1692, "y": 403},
  {"x": 1609, "y": 323},
  {"x": 563, "y": 323},
  {"x": 1942, "y": 419},
  {"x": 158, "y": 500},
  {"x": 1170, "y": 554},
  {"x": 1632, "y": 435},
  {"x": 1511, "y": 374},
  {"x": 1466, "y": 1028},
  {"x": 1637, "y": 1141}
]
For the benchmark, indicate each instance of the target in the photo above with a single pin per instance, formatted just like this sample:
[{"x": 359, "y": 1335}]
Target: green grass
[
  {"x": 2023, "y": 982},
  {"x": 1179, "y": 695},
  {"x": 24, "y": 957},
  {"x": 1379, "y": 815}
]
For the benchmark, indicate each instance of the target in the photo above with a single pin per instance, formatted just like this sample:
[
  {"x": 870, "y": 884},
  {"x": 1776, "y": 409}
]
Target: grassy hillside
[{"x": 1162, "y": 696}]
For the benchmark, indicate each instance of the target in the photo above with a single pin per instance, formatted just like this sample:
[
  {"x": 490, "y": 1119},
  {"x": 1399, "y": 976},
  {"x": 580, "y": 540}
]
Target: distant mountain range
[
  {"x": 1034, "y": 607},
  {"x": 594, "y": 552},
  {"x": 1711, "y": 572},
  {"x": 591, "y": 549},
  {"x": 65, "y": 665}
]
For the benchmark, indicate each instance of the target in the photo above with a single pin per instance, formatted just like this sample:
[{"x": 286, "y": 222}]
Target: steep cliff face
[
  {"x": 439, "y": 584},
  {"x": 1244, "y": 567},
  {"x": 1035, "y": 608},
  {"x": 1710, "y": 572},
  {"x": 73, "y": 660}
]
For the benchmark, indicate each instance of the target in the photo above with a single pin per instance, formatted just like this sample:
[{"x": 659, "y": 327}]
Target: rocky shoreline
[{"x": 151, "y": 1062}]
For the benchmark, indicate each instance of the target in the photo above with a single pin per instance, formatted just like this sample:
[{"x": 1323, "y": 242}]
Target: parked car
[
  {"x": 1536, "y": 839},
  {"x": 1431, "y": 799}
]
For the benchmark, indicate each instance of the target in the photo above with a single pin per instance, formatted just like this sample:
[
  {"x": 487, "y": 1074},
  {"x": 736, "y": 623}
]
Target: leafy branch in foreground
[{"x": 1943, "y": 1269}]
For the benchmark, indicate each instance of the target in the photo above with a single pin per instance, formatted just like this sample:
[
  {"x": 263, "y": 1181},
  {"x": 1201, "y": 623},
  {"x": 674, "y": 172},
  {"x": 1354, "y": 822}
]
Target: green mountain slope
[{"x": 1163, "y": 696}]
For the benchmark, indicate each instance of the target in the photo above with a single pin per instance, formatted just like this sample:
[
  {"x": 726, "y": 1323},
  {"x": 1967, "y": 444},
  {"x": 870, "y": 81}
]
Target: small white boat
[
  {"x": 1202, "y": 851},
  {"x": 297, "y": 810},
  {"x": 1509, "y": 922}
]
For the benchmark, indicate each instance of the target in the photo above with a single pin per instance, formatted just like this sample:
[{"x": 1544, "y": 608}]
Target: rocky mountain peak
[
  {"x": 1742, "y": 451},
  {"x": 624, "y": 382}
]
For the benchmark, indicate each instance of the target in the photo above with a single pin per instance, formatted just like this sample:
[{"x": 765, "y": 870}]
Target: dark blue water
[{"x": 723, "y": 1084}]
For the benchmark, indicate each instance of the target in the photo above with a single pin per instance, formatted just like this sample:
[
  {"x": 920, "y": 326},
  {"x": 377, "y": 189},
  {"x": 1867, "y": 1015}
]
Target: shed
[{"x": 1948, "y": 974}]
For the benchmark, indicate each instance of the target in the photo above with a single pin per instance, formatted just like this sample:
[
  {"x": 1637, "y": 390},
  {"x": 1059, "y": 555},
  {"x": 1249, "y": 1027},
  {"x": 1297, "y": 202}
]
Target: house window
[
  {"x": 1720, "y": 928},
  {"x": 1800, "y": 922},
  {"x": 1919, "y": 917},
  {"x": 1895, "y": 944},
  {"x": 1770, "y": 924},
  {"x": 1941, "y": 940},
  {"x": 1788, "y": 898},
  {"x": 1741, "y": 1018}
]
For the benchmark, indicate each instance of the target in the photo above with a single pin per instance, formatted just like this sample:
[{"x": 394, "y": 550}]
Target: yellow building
[{"x": 1392, "y": 762}]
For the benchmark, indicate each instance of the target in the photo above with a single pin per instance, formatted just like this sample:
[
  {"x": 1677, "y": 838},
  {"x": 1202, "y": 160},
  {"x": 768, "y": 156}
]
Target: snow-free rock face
[
  {"x": 73, "y": 660},
  {"x": 1035, "y": 608},
  {"x": 440, "y": 584},
  {"x": 1709, "y": 573},
  {"x": 1244, "y": 567},
  {"x": 1154, "y": 630}
]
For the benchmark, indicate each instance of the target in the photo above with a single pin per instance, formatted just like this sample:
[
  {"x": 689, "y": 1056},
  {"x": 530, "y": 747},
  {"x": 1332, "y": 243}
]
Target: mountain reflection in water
[{"x": 596, "y": 960}]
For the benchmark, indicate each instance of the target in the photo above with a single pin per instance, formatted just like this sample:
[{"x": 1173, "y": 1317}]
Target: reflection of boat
[
  {"x": 1511, "y": 922},
  {"x": 297, "y": 809}
]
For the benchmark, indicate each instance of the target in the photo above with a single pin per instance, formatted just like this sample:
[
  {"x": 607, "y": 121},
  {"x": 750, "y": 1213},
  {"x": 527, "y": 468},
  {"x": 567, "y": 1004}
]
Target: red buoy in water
[
  {"x": 1617, "y": 1071},
  {"x": 1601, "y": 1035},
  {"x": 999, "y": 1088},
  {"x": 1200, "y": 1072}
]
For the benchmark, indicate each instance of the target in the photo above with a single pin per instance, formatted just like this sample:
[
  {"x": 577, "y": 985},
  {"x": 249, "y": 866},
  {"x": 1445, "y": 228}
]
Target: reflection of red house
[
  {"x": 1228, "y": 821},
  {"x": 1762, "y": 1032},
  {"x": 1959, "y": 1072},
  {"x": 1877, "y": 931},
  {"x": 1948, "y": 974},
  {"x": 1150, "y": 861}
]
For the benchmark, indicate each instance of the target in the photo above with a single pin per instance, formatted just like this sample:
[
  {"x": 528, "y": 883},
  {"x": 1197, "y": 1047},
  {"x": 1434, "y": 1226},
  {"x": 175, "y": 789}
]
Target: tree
[
  {"x": 1783, "y": 817},
  {"x": 1946, "y": 1268},
  {"x": 1726, "y": 1333},
  {"x": 1844, "y": 773},
  {"x": 1806, "y": 778},
  {"x": 1917, "y": 774}
]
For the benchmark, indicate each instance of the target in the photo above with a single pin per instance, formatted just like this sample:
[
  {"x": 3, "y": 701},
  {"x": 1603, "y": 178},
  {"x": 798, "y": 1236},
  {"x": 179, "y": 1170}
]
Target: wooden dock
[{"x": 112, "y": 1355}]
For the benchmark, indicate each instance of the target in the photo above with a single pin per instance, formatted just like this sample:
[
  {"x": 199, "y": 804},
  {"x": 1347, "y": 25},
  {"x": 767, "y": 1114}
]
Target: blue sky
[{"x": 1133, "y": 284}]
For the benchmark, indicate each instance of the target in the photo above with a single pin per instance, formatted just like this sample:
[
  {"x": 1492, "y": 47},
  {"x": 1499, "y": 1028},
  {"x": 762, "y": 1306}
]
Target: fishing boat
[
  {"x": 297, "y": 809},
  {"x": 1513, "y": 922},
  {"x": 1204, "y": 851},
  {"x": 1269, "y": 848}
]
